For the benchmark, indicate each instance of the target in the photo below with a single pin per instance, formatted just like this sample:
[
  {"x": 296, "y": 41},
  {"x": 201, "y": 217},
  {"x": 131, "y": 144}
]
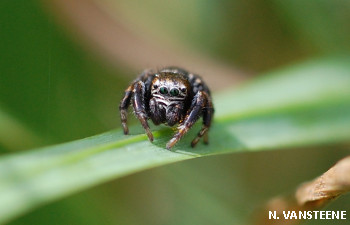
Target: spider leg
[
  {"x": 138, "y": 103},
  {"x": 207, "y": 118},
  {"x": 123, "y": 107},
  {"x": 155, "y": 113},
  {"x": 198, "y": 103}
]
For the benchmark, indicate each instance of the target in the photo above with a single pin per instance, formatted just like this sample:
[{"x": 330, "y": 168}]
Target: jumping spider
[{"x": 170, "y": 96}]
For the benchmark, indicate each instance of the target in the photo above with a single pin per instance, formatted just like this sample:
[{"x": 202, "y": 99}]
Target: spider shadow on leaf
[{"x": 220, "y": 140}]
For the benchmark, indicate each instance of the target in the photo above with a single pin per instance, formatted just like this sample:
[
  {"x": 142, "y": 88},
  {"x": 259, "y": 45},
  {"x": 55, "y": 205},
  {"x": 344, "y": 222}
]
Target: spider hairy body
[{"x": 170, "y": 96}]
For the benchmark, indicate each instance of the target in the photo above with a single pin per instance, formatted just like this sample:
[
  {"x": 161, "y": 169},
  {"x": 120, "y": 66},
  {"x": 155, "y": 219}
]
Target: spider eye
[
  {"x": 183, "y": 89},
  {"x": 163, "y": 90},
  {"x": 174, "y": 92},
  {"x": 155, "y": 86}
]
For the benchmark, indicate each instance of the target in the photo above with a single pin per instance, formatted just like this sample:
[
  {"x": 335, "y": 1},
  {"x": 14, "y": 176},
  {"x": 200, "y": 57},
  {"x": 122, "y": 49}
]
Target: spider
[{"x": 170, "y": 96}]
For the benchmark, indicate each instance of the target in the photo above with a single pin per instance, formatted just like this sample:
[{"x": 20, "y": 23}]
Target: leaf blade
[{"x": 264, "y": 114}]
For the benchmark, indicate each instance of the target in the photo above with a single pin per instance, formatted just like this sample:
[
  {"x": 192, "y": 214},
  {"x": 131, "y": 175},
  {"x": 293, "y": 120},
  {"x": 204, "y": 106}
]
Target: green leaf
[
  {"x": 305, "y": 105},
  {"x": 12, "y": 130}
]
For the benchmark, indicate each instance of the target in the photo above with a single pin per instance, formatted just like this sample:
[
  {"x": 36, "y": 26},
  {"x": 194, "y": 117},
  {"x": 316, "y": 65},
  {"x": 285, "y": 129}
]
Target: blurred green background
[{"x": 56, "y": 86}]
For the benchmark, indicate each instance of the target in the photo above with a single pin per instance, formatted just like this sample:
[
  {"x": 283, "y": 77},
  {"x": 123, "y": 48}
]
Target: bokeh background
[{"x": 64, "y": 65}]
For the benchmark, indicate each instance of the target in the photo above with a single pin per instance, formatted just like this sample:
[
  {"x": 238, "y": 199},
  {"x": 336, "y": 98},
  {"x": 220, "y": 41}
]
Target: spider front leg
[
  {"x": 139, "y": 109},
  {"x": 198, "y": 103},
  {"x": 155, "y": 113},
  {"x": 207, "y": 118},
  {"x": 123, "y": 108}
]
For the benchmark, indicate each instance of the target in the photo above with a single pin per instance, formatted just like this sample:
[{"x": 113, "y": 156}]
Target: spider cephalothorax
[{"x": 170, "y": 96}]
